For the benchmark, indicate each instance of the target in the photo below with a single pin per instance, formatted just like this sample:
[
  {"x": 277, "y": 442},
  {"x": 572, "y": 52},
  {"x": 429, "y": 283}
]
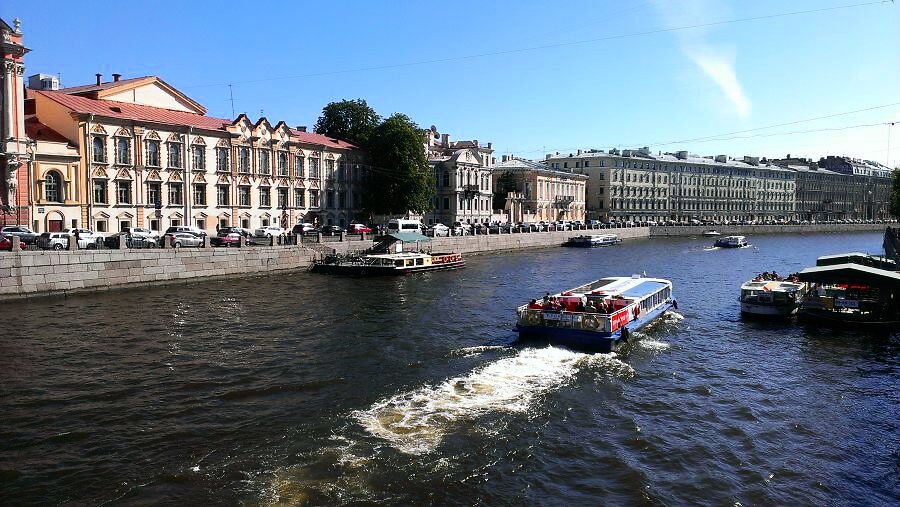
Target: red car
[
  {"x": 359, "y": 228},
  {"x": 5, "y": 243}
]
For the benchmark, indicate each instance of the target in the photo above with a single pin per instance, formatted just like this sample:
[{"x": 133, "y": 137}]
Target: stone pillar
[
  {"x": 343, "y": 236},
  {"x": 168, "y": 242},
  {"x": 362, "y": 236},
  {"x": 73, "y": 243},
  {"x": 205, "y": 243},
  {"x": 271, "y": 240},
  {"x": 318, "y": 237},
  {"x": 122, "y": 243},
  {"x": 16, "y": 243}
]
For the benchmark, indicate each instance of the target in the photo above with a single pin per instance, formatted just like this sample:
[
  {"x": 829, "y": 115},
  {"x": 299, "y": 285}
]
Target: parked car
[
  {"x": 87, "y": 238},
  {"x": 196, "y": 231},
  {"x": 303, "y": 228},
  {"x": 438, "y": 230},
  {"x": 230, "y": 236},
  {"x": 26, "y": 235},
  {"x": 5, "y": 243},
  {"x": 359, "y": 228},
  {"x": 140, "y": 232},
  {"x": 53, "y": 241},
  {"x": 268, "y": 231},
  {"x": 180, "y": 239},
  {"x": 332, "y": 230},
  {"x": 461, "y": 229},
  {"x": 131, "y": 241}
]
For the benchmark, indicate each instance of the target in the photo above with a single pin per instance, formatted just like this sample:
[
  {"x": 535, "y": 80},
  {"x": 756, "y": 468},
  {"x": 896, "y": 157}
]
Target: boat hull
[
  {"x": 589, "y": 245},
  {"x": 830, "y": 318},
  {"x": 768, "y": 310},
  {"x": 366, "y": 270},
  {"x": 591, "y": 341}
]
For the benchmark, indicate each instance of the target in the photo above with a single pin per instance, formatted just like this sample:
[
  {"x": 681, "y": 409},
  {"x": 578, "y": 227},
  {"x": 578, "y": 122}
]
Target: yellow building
[{"x": 542, "y": 193}]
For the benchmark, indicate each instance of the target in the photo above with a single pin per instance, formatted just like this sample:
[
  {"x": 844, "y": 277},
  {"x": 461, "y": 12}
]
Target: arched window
[
  {"x": 53, "y": 187},
  {"x": 99, "y": 149}
]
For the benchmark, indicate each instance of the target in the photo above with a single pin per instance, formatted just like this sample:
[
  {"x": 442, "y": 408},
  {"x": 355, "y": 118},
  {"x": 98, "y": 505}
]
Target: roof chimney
[
  {"x": 99, "y": 77},
  {"x": 116, "y": 77},
  {"x": 301, "y": 128}
]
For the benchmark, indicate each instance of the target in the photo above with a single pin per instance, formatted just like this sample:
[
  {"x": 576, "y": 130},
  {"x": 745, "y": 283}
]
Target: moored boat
[
  {"x": 779, "y": 298},
  {"x": 593, "y": 240},
  {"x": 851, "y": 295},
  {"x": 712, "y": 233},
  {"x": 389, "y": 258},
  {"x": 731, "y": 242},
  {"x": 597, "y": 316}
]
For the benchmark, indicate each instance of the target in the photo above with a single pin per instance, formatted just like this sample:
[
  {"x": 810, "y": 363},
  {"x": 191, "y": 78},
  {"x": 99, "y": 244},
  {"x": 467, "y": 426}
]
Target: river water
[{"x": 298, "y": 388}]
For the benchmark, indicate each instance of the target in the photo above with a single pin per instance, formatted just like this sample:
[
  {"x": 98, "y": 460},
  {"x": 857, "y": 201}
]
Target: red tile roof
[
  {"x": 313, "y": 138},
  {"x": 138, "y": 112},
  {"x": 40, "y": 132}
]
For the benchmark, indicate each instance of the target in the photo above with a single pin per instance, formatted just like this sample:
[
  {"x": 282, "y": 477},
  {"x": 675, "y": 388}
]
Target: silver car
[{"x": 180, "y": 239}]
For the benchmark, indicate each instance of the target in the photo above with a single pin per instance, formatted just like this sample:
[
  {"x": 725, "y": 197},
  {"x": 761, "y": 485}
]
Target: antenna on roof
[{"x": 231, "y": 97}]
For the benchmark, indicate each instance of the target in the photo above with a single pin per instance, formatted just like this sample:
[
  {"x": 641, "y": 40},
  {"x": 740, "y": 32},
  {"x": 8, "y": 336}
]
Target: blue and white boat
[
  {"x": 593, "y": 240},
  {"x": 597, "y": 316}
]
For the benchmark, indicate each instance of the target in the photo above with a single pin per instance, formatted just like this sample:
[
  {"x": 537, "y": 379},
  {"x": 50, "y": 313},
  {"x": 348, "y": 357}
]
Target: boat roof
[
  {"x": 851, "y": 273},
  {"x": 626, "y": 286},
  {"x": 399, "y": 255},
  {"x": 770, "y": 285},
  {"x": 857, "y": 258},
  {"x": 734, "y": 237},
  {"x": 405, "y": 237}
]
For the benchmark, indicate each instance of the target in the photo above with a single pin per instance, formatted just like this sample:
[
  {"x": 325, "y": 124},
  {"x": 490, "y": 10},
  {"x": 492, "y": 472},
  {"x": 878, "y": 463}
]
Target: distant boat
[
  {"x": 732, "y": 242},
  {"x": 712, "y": 233},
  {"x": 388, "y": 258},
  {"x": 621, "y": 305},
  {"x": 593, "y": 240}
]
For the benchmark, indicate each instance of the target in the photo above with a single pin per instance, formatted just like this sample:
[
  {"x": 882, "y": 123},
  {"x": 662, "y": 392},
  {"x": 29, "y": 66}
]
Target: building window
[
  {"x": 53, "y": 187},
  {"x": 175, "y": 155},
  {"x": 154, "y": 195},
  {"x": 446, "y": 179},
  {"x": 222, "y": 195},
  {"x": 282, "y": 163},
  {"x": 300, "y": 168},
  {"x": 342, "y": 199},
  {"x": 222, "y": 160},
  {"x": 200, "y": 194},
  {"x": 314, "y": 198},
  {"x": 101, "y": 225},
  {"x": 176, "y": 195},
  {"x": 264, "y": 161},
  {"x": 123, "y": 150},
  {"x": 99, "y": 149},
  {"x": 244, "y": 196},
  {"x": 314, "y": 168},
  {"x": 100, "y": 191},
  {"x": 123, "y": 192},
  {"x": 124, "y": 224},
  {"x": 154, "y": 225},
  {"x": 342, "y": 172},
  {"x": 198, "y": 162},
  {"x": 282, "y": 197},
  {"x": 329, "y": 198},
  {"x": 329, "y": 169},
  {"x": 244, "y": 160},
  {"x": 264, "y": 196},
  {"x": 446, "y": 203},
  {"x": 299, "y": 198},
  {"x": 153, "y": 153}
]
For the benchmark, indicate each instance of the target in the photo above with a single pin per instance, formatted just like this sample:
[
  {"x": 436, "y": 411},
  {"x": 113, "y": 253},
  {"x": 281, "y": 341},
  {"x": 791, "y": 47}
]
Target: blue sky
[{"x": 652, "y": 89}]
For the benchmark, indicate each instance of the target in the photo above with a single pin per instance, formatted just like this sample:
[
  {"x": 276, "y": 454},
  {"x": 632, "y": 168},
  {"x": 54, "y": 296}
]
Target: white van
[{"x": 401, "y": 225}]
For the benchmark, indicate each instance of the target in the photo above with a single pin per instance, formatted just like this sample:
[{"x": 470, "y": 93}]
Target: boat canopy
[
  {"x": 406, "y": 237},
  {"x": 851, "y": 273},
  {"x": 857, "y": 258}
]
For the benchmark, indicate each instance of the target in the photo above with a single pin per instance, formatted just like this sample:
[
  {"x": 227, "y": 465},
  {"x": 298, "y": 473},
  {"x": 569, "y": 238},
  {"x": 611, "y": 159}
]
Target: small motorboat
[
  {"x": 732, "y": 242},
  {"x": 593, "y": 240},
  {"x": 712, "y": 233},
  {"x": 775, "y": 298}
]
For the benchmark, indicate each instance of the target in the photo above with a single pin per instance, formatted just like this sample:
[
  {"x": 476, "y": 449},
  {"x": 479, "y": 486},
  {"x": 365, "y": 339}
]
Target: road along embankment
[
  {"x": 46, "y": 273},
  {"x": 747, "y": 230}
]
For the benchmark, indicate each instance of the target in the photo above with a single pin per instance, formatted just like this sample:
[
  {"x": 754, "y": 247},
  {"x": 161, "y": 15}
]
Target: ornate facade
[
  {"x": 15, "y": 148},
  {"x": 541, "y": 193},
  {"x": 462, "y": 175}
]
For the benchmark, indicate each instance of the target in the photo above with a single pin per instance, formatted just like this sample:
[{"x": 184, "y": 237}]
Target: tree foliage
[
  {"x": 505, "y": 183},
  {"x": 350, "y": 120},
  {"x": 400, "y": 178},
  {"x": 895, "y": 193}
]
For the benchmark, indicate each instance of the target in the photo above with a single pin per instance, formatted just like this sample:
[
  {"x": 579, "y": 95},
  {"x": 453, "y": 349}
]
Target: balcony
[
  {"x": 563, "y": 202},
  {"x": 470, "y": 191}
]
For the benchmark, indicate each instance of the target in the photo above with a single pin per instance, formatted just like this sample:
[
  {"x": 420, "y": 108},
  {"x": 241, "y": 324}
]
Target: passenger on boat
[
  {"x": 534, "y": 305},
  {"x": 605, "y": 307},
  {"x": 589, "y": 307},
  {"x": 580, "y": 307}
]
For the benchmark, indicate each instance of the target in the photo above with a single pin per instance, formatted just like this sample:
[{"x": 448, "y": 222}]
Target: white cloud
[{"x": 715, "y": 61}]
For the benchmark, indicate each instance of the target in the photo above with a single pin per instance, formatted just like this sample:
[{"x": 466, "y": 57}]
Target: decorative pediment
[
  {"x": 199, "y": 140},
  {"x": 283, "y": 182},
  {"x": 152, "y": 135},
  {"x": 314, "y": 154},
  {"x": 124, "y": 216},
  {"x": 223, "y": 143},
  {"x": 266, "y": 215},
  {"x": 313, "y": 184},
  {"x": 265, "y": 181},
  {"x": 224, "y": 215},
  {"x": 124, "y": 174},
  {"x": 199, "y": 215},
  {"x": 329, "y": 156},
  {"x": 175, "y": 137},
  {"x": 98, "y": 129},
  {"x": 300, "y": 153},
  {"x": 245, "y": 215},
  {"x": 153, "y": 175},
  {"x": 300, "y": 183},
  {"x": 100, "y": 172},
  {"x": 245, "y": 180},
  {"x": 224, "y": 179},
  {"x": 123, "y": 132},
  {"x": 199, "y": 178},
  {"x": 175, "y": 176},
  {"x": 101, "y": 215},
  {"x": 176, "y": 215}
]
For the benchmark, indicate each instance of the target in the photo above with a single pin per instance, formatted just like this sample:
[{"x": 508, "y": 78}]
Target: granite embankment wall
[
  {"x": 495, "y": 242},
  {"x": 748, "y": 230},
  {"x": 45, "y": 273}
]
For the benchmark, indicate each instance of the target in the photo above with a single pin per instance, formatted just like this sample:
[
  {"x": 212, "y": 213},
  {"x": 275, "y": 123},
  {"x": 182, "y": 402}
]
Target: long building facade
[{"x": 534, "y": 192}]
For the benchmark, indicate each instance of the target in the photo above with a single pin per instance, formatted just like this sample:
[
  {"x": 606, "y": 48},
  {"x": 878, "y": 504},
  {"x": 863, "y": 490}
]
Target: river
[{"x": 299, "y": 388}]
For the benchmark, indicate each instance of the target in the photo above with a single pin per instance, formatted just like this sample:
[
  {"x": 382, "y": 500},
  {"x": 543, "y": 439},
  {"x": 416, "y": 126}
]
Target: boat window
[
  {"x": 399, "y": 263},
  {"x": 419, "y": 262}
]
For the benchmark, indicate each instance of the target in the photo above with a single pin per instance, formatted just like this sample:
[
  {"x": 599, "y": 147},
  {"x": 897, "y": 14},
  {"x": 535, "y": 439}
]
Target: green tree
[
  {"x": 350, "y": 120},
  {"x": 505, "y": 183},
  {"x": 895, "y": 193},
  {"x": 400, "y": 178}
]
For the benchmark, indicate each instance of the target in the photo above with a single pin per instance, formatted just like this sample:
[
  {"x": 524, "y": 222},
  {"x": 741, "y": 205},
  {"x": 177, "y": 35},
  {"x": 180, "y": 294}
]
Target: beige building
[
  {"x": 462, "y": 175},
  {"x": 640, "y": 185},
  {"x": 535, "y": 192},
  {"x": 149, "y": 156}
]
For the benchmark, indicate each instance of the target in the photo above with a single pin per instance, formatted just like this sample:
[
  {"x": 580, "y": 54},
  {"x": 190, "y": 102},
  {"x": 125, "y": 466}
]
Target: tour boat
[
  {"x": 623, "y": 305},
  {"x": 851, "y": 295},
  {"x": 771, "y": 297},
  {"x": 712, "y": 233},
  {"x": 593, "y": 240},
  {"x": 389, "y": 258},
  {"x": 731, "y": 242}
]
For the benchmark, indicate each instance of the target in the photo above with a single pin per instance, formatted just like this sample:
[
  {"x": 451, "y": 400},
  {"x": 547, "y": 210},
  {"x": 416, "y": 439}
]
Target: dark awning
[
  {"x": 851, "y": 273},
  {"x": 857, "y": 258}
]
